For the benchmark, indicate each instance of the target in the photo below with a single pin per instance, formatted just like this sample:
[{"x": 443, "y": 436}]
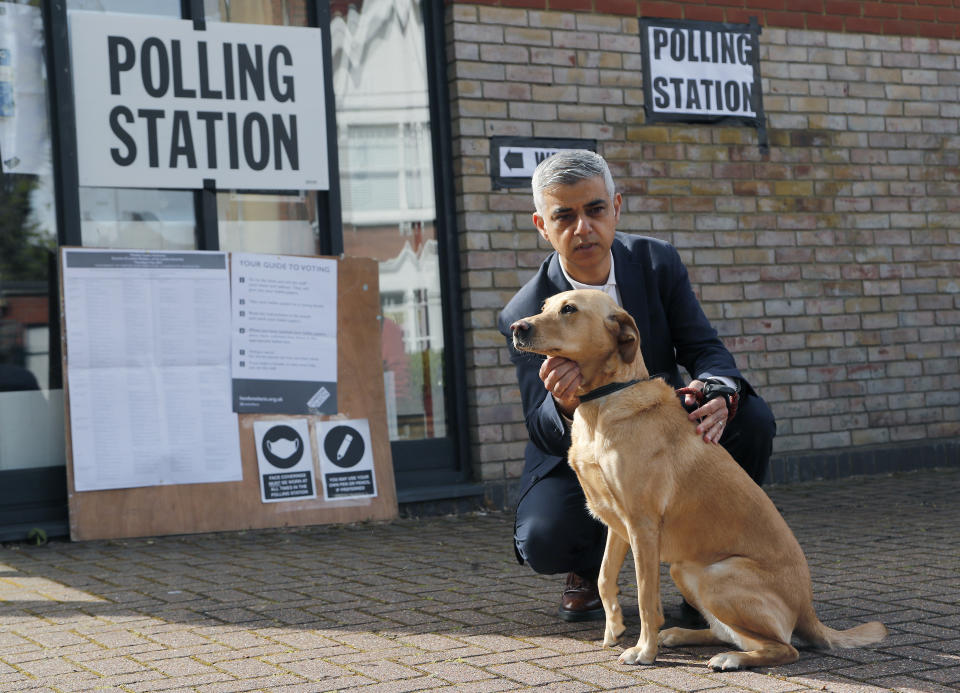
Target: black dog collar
[{"x": 610, "y": 388}]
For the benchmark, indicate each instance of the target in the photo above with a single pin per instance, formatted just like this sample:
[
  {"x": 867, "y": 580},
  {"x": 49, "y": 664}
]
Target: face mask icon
[{"x": 283, "y": 447}]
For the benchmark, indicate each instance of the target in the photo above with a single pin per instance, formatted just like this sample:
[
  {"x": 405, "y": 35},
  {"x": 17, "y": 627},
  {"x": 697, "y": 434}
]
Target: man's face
[{"x": 579, "y": 221}]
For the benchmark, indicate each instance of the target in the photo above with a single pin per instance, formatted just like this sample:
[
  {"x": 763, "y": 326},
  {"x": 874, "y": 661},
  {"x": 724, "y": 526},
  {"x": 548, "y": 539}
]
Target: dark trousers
[{"x": 554, "y": 533}]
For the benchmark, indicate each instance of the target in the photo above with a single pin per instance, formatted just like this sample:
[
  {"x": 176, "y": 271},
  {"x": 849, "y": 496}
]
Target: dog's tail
[{"x": 814, "y": 632}]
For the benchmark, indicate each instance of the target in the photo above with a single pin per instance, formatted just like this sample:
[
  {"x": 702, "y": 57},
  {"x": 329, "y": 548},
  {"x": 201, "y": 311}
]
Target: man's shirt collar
[{"x": 609, "y": 287}]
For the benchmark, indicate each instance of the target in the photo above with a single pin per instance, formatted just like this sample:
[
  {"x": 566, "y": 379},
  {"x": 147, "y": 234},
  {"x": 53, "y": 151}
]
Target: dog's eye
[{"x": 569, "y": 308}]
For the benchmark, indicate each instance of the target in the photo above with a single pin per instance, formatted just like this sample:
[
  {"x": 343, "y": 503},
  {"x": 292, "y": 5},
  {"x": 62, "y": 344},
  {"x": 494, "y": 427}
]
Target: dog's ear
[{"x": 628, "y": 337}]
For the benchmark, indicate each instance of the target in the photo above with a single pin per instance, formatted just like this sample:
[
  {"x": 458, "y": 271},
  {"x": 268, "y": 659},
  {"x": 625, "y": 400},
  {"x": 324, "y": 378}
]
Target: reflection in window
[
  {"x": 31, "y": 402},
  {"x": 267, "y": 223},
  {"x": 161, "y": 8},
  {"x": 274, "y": 12},
  {"x": 274, "y": 222},
  {"x": 141, "y": 219},
  {"x": 386, "y": 175},
  {"x": 389, "y": 170}
]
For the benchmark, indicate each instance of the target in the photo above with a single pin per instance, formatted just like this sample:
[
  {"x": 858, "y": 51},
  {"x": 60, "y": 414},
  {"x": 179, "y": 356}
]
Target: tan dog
[{"x": 668, "y": 496}]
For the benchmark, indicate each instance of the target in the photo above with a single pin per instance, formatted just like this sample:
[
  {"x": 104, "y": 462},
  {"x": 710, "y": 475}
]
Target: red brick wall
[
  {"x": 830, "y": 264},
  {"x": 927, "y": 18}
]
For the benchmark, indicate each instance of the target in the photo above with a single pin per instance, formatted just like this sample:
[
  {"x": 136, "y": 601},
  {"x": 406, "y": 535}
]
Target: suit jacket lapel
[
  {"x": 555, "y": 277},
  {"x": 633, "y": 294}
]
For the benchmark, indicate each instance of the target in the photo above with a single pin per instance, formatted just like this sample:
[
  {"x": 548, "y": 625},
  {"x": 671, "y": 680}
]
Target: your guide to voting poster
[{"x": 284, "y": 346}]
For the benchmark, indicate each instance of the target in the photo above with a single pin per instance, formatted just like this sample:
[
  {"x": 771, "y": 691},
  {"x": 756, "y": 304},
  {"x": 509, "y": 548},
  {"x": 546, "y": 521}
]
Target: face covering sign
[
  {"x": 701, "y": 72},
  {"x": 160, "y": 104}
]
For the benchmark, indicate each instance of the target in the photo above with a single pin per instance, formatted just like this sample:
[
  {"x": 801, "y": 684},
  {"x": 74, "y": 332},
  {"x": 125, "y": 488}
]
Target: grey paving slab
[{"x": 440, "y": 604}]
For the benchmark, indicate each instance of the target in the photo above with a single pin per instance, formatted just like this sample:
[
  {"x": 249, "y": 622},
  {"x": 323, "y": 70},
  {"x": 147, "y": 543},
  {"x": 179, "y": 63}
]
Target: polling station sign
[
  {"x": 701, "y": 72},
  {"x": 160, "y": 104}
]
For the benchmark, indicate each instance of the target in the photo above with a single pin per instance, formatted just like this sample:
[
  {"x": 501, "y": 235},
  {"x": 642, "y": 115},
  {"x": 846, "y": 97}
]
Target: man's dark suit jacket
[{"x": 655, "y": 290}]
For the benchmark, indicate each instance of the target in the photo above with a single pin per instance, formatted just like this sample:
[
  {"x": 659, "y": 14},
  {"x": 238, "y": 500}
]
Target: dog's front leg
[
  {"x": 613, "y": 556},
  {"x": 646, "y": 557}
]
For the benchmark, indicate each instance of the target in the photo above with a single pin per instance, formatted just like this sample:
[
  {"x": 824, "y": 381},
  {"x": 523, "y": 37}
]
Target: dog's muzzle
[{"x": 521, "y": 332}]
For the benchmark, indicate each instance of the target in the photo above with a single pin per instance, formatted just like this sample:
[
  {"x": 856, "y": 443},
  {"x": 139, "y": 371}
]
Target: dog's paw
[
  {"x": 612, "y": 633},
  {"x": 669, "y": 638},
  {"x": 725, "y": 661},
  {"x": 637, "y": 655}
]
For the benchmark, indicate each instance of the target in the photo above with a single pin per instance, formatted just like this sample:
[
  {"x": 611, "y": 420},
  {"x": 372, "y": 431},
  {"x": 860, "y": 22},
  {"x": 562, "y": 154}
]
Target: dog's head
[{"x": 586, "y": 326}]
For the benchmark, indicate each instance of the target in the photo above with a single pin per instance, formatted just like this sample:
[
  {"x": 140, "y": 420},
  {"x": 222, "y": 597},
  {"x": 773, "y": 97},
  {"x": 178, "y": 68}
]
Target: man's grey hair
[{"x": 567, "y": 167}]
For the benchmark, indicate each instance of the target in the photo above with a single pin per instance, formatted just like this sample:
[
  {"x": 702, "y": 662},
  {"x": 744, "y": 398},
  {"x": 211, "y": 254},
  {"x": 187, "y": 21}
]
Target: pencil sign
[
  {"x": 346, "y": 459},
  {"x": 513, "y": 159},
  {"x": 162, "y": 105},
  {"x": 702, "y": 72},
  {"x": 285, "y": 459}
]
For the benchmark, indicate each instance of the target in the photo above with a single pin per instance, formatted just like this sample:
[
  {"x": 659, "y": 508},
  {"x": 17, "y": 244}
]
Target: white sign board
[
  {"x": 285, "y": 460},
  {"x": 346, "y": 459},
  {"x": 148, "y": 368},
  {"x": 162, "y": 105},
  {"x": 514, "y": 159},
  {"x": 702, "y": 70},
  {"x": 284, "y": 350},
  {"x": 520, "y": 162}
]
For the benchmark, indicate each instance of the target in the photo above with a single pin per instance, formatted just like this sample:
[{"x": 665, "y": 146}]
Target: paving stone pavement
[{"x": 440, "y": 604}]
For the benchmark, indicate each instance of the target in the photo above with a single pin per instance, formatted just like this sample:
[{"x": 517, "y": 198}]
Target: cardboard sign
[{"x": 162, "y": 105}]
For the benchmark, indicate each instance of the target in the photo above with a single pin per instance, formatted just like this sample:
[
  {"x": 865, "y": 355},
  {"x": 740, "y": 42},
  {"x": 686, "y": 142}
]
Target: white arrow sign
[{"x": 519, "y": 162}]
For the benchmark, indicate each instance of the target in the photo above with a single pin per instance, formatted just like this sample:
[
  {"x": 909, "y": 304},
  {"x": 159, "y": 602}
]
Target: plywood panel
[{"x": 189, "y": 508}]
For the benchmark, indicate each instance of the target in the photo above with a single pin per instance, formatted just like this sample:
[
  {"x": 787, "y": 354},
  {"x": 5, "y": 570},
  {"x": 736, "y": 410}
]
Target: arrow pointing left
[{"x": 513, "y": 159}]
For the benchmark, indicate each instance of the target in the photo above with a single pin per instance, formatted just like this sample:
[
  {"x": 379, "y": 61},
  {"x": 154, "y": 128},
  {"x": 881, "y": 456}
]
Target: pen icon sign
[{"x": 344, "y": 446}]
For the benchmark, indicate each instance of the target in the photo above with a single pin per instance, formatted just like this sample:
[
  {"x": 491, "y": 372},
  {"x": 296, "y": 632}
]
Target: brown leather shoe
[{"x": 580, "y": 600}]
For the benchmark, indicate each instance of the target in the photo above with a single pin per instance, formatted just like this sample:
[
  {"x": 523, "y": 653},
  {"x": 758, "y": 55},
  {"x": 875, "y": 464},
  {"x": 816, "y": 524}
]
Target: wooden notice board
[{"x": 209, "y": 507}]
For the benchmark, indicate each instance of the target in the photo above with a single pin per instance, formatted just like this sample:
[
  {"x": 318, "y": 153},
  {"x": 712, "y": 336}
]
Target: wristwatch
[{"x": 714, "y": 387}]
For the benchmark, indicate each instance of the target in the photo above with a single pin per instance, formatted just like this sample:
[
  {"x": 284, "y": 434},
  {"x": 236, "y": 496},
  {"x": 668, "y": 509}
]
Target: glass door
[{"x": 387, "y": 199}]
